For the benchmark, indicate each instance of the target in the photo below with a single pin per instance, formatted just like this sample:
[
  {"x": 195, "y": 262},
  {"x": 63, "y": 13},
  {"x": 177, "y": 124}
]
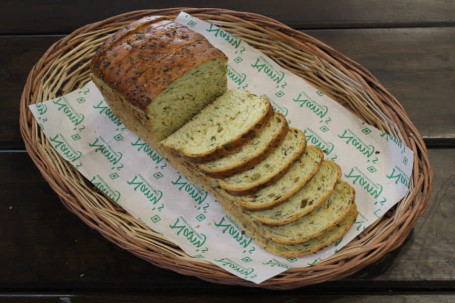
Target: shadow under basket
[{"x": 65, "y": 67}]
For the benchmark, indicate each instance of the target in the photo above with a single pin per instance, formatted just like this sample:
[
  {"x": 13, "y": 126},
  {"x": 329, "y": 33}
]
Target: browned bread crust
[{"x": 148, "y": 55}]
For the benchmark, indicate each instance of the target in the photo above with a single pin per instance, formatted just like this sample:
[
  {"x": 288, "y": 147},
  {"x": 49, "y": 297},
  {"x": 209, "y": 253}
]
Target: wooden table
[{"x": 48, "y": 255}]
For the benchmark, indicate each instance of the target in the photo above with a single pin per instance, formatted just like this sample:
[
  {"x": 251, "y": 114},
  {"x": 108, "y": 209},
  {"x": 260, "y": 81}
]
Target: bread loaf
[
  {"x": 167, "y": 84},
  {"x": 161, "y": 73}
]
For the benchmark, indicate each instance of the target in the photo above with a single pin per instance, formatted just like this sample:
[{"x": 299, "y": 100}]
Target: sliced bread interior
[
  {"x": 251, "y": 153},
  {"x": 291, "y": 182},
  {"x": 330, "y": 213},
  {"x": 224, "y": 125},
  {"x": 277, "y": 163},
  {"x": 307, "y": 199},
  {"x": 331, "y": 236}
]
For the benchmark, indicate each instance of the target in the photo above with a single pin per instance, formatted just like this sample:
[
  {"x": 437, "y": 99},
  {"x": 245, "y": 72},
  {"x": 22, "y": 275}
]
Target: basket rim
[{"x": 321, "y": 272}]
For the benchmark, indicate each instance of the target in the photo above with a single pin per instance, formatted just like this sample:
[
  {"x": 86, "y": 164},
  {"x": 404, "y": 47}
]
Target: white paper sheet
[{"x": 82, "y": 128}]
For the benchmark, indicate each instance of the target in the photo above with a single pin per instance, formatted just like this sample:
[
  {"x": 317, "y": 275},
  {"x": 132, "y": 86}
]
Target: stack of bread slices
[
  {"x": 168, "y": 85},
  {"x": 281, "y": 191}
]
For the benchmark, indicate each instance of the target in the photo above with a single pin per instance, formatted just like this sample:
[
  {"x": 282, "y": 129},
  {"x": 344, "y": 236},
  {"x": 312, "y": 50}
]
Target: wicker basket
[{"x": 64, "y": 67}]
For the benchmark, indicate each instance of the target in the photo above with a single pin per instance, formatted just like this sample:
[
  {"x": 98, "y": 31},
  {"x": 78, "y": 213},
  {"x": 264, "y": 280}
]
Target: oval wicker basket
[{"x": 64, "y": 67}]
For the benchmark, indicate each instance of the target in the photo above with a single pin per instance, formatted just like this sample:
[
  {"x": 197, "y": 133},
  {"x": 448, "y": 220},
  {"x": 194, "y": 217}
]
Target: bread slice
[
  {"x": 314, "y": 245},
  {"x": 158, "y": 74},
  {"x": 221, "y": 127},
  {"x": 251, "y": 153},
  {"x": 291, "y": 182},
  {"x": 307, "y": 199},
  {"x": 277, "y": 163},
  {"x": 330, "y": 213}
]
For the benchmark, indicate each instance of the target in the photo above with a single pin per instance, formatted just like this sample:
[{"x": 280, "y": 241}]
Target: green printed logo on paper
[
  {"x": 229, "y": 228},
  {"x": 393, "y": 140},
  {"x": 263, "y": 66},
  {"x": 360, "y": 222},
  {"x": 105, "y": 188},
  {"x": 64, "y": 107},
  {"x": 62, "y": 145},
  {"x": 41, "y": 108},
  {"x": 314, "y": 139},
  {"x": 278, "y": 108},
  {"x": 226, "y": 262},
  {"x": 398, "y": 176},
  {"x": 103, "y": 109},
  {"x": 184, "y": 229},
  {"x": 140, "y": 184},
  {"x": 275, "y": 263},
  {"x": 237, "y": 77},
  {"x": 145, "y": 148},
  {"x": 106, "y": 150},
  {"x": 219, "y": 33},
  {"x": 350, "y": 138},
  {"x": 305, "y": 101},
  {"x": 197, "y": 194},
  {"x": 358, "y": 177}
]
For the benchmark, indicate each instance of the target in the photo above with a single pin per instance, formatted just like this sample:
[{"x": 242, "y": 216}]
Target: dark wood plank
[
  {"x": 429, "y": 252},
  {"x": 17, "y": 57},
  {"x": 65, "y": 16},
  {"x": 46, "y": 247},
  {"x": 417, "y": 65},
  {"x": 277, "y": 297}
]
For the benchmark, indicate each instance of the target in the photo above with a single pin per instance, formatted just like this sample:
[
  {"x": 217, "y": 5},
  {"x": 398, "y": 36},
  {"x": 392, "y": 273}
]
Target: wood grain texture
[
  {"x": 46, "y": 247},
  {"x": 276, "y": 297},
  {"x": 417, "y": 65},
  {"x": 17, "y": 57},
  {"x": 65, "y": 16}
]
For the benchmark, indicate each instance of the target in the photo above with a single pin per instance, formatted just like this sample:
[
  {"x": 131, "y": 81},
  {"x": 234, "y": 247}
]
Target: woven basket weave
[{"x": 65, "y": 67}]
